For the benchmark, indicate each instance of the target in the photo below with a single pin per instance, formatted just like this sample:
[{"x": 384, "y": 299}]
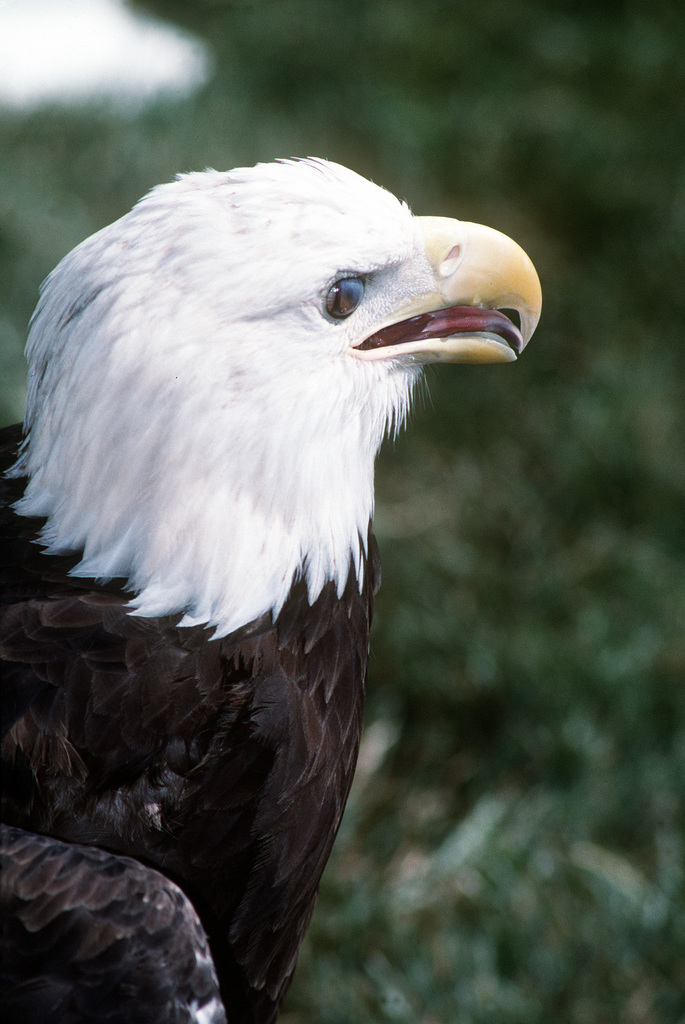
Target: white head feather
[{"x": 196, "y": 421}]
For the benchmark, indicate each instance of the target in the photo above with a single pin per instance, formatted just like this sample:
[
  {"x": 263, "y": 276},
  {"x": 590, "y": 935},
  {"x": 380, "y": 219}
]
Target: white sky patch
[{"x": 82, "y": 51}]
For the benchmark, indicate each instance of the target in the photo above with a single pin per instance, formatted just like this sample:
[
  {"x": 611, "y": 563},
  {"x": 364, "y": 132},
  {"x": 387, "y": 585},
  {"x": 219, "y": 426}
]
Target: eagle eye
[{"x": 344, "y": 297}]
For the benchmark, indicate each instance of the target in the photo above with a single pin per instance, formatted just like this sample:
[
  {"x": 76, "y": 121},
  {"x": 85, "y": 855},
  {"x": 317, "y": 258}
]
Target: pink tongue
[{"x": 443, "y": 323}]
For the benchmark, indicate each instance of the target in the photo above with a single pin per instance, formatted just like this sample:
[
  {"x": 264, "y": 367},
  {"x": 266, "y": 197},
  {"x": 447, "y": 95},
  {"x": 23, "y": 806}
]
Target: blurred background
[{"x": 514, "y": 847}]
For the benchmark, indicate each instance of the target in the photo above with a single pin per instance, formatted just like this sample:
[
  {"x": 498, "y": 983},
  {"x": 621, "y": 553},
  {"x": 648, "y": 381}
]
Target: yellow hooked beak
[{"x": 478, "y": 273}]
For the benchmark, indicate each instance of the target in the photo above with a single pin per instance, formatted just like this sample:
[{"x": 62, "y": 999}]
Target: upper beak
[{"x": 477, "y": 272}]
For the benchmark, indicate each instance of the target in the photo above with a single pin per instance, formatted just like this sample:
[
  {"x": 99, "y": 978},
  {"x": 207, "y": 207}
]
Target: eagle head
[{"x": 211, "y": 376}]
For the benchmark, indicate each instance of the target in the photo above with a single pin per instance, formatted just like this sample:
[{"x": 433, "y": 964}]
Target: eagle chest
[
  {"x": 262, "y": 809},
  {"x": 271, "y": 787}
]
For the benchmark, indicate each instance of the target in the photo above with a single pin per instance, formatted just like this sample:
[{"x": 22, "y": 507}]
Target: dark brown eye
[{"x": 344, "y": 297}]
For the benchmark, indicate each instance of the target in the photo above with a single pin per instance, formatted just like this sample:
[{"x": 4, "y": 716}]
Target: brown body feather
[{"x": 224, "y": 763}]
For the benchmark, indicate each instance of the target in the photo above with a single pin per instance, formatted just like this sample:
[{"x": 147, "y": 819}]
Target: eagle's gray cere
[{"x": 188, "y": 571}]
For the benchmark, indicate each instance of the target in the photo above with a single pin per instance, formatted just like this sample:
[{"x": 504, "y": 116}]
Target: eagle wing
[{"x": 96, "y": 937}]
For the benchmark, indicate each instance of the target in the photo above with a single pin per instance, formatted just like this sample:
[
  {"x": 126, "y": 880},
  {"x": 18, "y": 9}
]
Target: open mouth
[{"x": 447, "y": 323}]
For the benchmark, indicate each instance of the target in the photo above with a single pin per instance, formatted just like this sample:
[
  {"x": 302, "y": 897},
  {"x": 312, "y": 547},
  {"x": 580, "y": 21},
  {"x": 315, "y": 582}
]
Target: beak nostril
[{"x": 449, "y": 264}]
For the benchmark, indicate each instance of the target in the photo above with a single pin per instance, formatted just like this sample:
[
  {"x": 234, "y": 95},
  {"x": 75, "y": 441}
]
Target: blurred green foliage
[{"x": 514, "y": 847}]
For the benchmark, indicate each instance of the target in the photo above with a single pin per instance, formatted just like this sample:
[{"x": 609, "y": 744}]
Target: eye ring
[{"x": 344, "y": 296}]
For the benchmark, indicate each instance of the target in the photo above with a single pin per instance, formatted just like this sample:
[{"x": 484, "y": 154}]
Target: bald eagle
[{"x": 188, "y": 572}]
